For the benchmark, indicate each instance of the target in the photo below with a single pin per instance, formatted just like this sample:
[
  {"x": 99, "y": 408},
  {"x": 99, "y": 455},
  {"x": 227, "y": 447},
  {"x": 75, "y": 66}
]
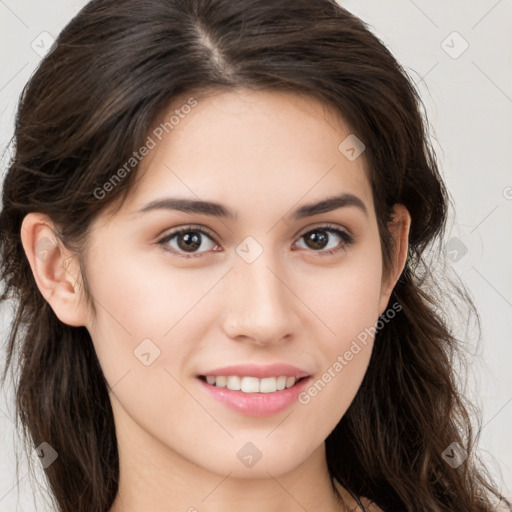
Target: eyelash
[{"x": 347, "y": 239}]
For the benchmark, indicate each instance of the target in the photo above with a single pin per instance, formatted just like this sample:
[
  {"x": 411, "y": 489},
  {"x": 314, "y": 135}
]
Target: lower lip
[{"x": 256, "y": 404}]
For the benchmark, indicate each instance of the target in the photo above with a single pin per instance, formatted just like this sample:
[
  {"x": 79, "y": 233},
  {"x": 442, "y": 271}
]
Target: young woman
[{"x": 214, "y": 226}]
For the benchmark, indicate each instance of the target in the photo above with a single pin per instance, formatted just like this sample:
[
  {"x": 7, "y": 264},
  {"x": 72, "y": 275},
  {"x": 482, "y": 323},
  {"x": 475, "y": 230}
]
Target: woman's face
[{"x": 272, "y": 284}]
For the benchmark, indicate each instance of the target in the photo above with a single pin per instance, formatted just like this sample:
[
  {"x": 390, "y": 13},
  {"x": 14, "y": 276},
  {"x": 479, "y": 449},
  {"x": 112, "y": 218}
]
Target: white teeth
[
  {"x": 251, "y": 384},
  {"x": 268, "y": 385},
  {"x": 221, "y": 381},
  {"x": 233, "y": 383}
]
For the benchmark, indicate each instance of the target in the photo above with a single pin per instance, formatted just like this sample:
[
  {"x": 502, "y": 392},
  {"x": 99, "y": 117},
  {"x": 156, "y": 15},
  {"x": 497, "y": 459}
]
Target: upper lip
[{"x": 259, "y": 371}]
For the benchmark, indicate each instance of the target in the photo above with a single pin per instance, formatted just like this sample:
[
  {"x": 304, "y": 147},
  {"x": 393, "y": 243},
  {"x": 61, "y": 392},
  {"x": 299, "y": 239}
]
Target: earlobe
[
  {"x": 54, "y": 267},
  {"x": 399, "y": 228}
]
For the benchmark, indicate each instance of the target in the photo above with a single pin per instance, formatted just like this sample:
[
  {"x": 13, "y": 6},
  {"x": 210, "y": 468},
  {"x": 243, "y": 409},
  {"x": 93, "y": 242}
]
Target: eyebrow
[{"x": 219, "y": 210}]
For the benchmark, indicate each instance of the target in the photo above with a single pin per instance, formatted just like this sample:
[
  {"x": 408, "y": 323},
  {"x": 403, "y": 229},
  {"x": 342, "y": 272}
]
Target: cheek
[
  {"x": 145, "y": 307},
  {"x": 346, "y": 299},
  {"x": 142, "y": 331},
  {"x": 141, "y": 298}
]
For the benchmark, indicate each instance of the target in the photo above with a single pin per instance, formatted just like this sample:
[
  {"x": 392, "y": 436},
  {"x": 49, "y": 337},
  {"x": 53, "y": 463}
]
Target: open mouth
[
  {"x": 253, "y": 396},
  {"x": 247, "y": 384}
]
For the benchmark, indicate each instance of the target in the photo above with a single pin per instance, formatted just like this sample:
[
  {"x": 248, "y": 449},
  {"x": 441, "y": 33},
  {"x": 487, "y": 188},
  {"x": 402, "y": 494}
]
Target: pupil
[
  {"x": 319, "y": 238},
  {"x": 190, "y": 242}
]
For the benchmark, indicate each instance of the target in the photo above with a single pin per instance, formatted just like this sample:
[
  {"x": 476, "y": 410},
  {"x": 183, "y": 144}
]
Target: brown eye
[
  {"x": 187, "y": 240},
  {"x": 316, "y": 239},
  {"x": 327, "y": 240},
  {"x": 190, "y": 241}
]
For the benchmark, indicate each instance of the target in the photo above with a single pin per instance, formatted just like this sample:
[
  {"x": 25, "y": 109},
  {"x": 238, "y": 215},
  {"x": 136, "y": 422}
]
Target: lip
[
  {"x": 259, "y": 371},
  {"x": 256, "y": 404}
]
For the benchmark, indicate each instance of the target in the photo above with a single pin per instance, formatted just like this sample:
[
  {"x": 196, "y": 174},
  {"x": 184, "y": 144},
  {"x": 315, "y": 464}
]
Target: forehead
[{"x": 251, "y": 150}]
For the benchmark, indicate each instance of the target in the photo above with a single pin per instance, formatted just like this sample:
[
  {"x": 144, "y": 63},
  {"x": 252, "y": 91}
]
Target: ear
[
  {"x": 55, "y": 268},
  {"x": 399, "y": 228}
]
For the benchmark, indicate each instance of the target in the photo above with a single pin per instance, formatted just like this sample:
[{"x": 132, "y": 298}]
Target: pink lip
[
  {"x": 255, "y": 404},
  {"x": 259, "y": 371}
]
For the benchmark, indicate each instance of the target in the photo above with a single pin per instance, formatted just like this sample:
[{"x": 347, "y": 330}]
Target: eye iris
[
  {"x": 317, "y": 237},
  {"x": 189, "y": 241}
]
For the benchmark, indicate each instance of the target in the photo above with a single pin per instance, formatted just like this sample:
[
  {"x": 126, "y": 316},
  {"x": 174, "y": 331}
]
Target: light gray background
[{"x": 469, "y": 103}]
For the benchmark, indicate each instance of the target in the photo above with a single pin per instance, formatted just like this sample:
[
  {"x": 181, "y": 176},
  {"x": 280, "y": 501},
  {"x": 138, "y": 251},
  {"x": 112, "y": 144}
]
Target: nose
[{"x": 260, "y": 304}]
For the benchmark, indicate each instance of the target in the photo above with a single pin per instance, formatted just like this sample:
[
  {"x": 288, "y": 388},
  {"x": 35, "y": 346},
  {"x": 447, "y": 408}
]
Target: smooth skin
[{"x": 262, "y": 155}]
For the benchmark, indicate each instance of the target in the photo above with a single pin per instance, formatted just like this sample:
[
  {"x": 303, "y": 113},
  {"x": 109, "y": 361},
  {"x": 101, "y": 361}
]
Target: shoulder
[{"x": 369, "y": 506}]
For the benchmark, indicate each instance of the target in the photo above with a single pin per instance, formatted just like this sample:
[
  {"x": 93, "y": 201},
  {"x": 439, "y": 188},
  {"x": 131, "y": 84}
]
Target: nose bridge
[{"x": 259, "y": 304}]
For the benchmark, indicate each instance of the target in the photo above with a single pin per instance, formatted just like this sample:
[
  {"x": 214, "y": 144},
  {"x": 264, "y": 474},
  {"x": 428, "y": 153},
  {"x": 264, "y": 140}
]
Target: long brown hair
[{"x": 91, "y": 103}]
